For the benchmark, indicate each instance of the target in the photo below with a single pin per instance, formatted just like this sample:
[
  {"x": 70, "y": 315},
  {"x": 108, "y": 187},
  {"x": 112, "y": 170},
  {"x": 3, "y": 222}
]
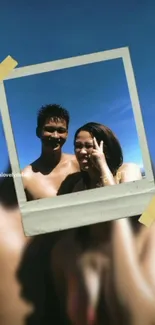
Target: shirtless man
[{"x": 43, "y": 177}]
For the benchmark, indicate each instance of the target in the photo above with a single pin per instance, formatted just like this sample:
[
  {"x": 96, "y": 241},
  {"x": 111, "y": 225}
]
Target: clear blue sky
[{"x": 39, "y": 31}]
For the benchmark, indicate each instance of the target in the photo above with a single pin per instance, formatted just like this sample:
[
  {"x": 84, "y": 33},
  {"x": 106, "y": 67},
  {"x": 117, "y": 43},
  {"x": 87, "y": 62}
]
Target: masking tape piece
[
  {"x": 6, "y": 66},
  {"x": 148, "y": 216}
]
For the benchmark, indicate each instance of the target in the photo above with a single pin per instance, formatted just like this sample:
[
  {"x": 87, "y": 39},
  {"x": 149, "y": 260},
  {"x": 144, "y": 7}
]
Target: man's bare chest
[{"x": 44, "y": 186}]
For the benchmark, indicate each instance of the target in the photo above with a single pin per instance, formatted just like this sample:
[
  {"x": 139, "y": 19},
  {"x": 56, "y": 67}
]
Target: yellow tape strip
[
  {"x": 7, "y": 66},
  {"x": 148, "y": 216}
]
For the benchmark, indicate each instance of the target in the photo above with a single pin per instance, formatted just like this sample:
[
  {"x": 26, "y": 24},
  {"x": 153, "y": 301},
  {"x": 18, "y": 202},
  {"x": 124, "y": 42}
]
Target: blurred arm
[{"x": 132, "y": 288}]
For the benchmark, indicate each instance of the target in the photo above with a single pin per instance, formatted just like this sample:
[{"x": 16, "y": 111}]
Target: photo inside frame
[
  {"x": 95, "y": 93},
  {"x": 85, "y": 275}
]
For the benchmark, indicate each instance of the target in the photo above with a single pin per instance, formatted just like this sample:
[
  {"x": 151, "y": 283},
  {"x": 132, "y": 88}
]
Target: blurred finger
[
  {"x": 96, "y": 146},
  {"x": 101, "y": 145},
  {"x": 94, "y": 152},
  {"x": 127, "y": 268}
]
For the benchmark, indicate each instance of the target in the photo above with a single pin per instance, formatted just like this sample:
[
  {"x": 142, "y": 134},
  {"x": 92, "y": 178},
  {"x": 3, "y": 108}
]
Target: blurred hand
[
  {"x": 97, "y": 156},
  {"x": 131, "y": 283}
]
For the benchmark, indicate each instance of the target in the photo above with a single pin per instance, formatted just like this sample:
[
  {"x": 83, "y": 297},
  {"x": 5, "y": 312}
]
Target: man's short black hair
[{"x": 54, "y": 111}]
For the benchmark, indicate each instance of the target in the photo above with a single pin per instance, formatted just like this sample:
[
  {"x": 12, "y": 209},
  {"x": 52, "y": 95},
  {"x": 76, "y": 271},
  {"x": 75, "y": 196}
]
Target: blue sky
[{"x": 40, "y": 31}]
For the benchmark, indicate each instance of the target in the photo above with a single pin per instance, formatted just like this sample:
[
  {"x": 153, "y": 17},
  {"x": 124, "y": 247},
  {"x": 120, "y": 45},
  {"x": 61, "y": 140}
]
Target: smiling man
[{"x": 43, "y": 177}]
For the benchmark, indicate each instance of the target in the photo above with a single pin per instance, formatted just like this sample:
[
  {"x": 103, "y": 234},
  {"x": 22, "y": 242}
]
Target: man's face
[{"x": 54, "y": 133}]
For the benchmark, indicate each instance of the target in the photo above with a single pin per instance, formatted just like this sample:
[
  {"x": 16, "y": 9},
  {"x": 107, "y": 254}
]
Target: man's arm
[{"x": 132, "y": 284}]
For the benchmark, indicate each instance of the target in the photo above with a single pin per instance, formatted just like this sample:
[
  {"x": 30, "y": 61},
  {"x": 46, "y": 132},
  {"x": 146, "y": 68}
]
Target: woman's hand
[
  {"x": 99, "y": 162},
  {"x": 97, "y": 156}
]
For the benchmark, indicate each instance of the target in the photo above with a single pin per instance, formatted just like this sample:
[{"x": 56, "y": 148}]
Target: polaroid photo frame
[{"x": 90, "y": 206}]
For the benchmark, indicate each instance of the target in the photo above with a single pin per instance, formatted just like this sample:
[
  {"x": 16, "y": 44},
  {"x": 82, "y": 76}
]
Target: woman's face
[{"x": 83, "y": 148}]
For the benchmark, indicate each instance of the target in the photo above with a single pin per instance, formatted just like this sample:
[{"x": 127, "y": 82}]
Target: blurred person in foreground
[{"x": 106, "y": 277}]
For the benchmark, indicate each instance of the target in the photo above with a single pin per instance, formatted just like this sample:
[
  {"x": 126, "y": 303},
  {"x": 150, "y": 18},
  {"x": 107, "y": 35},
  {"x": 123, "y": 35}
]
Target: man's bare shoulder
[
  {"x": 72, "y": 159},
  {"x": 27, "y": 174},
  {"x": 69, "y": 156},
  {"x": 27, "y": 171}
]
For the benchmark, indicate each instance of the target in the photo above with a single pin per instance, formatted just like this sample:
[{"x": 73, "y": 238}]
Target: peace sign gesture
[{"x": 97, "y": 155}]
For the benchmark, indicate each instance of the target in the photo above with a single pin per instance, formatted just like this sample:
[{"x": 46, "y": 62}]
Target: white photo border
[{"x": 91, "y": 206}]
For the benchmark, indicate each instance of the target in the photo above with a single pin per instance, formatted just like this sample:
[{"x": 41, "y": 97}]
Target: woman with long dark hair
[{"x": 100, "y": 157}]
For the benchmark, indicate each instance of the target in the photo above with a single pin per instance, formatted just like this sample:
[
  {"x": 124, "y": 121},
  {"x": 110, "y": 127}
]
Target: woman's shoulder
[{"x": 129, "y": 172}]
